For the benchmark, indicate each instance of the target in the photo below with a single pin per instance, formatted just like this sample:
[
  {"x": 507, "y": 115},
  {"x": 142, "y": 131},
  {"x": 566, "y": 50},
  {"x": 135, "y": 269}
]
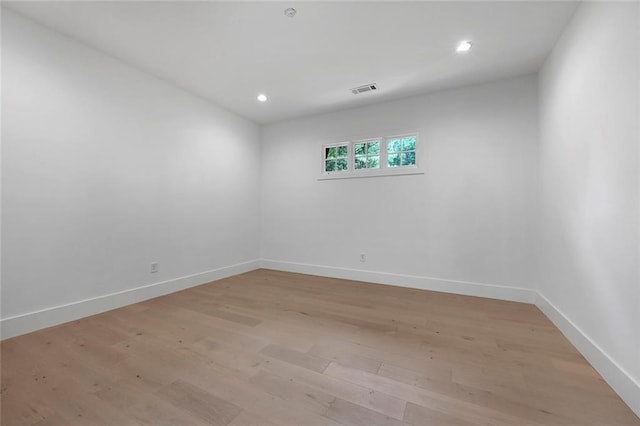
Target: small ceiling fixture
[
  {"x": 290, "y": 12},
  {"x": 262, "y": 97},
  {"x": 366, "y": 88},
  {"x": 463, "y": 46}
]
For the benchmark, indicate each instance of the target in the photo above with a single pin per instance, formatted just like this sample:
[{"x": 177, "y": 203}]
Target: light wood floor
[{"x": 274, "y": 348}]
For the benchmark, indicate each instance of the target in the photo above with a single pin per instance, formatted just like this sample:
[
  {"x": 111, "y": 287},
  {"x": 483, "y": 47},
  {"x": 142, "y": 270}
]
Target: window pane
[
  {"x": 393, "y": 145},
  {"x": 373, "y": 148},
  {"x": 342, "y": 151},
  {"x": 359, "y": 149},
  {"x": 393, "y": 160},
  {"x": 342, "y": 164},
  {"x": 408, "y": 158},
  {"x": 361, "y": 162},
  {"x": 330, "y": 152},
  {"x": 330, "y": 165},
  {"x": 409, "y": 144},
  {"x": 373, "y": 162}
]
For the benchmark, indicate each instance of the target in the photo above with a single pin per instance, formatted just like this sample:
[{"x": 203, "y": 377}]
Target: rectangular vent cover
[{"x": 365, "y": 88}]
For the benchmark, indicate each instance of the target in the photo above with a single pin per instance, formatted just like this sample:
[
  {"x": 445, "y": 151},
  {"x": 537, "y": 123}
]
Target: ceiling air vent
[{"x": 366, "y": 88}]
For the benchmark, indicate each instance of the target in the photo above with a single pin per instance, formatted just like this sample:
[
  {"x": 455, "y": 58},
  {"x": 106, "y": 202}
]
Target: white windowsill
[{"x": 371, "y": 173}]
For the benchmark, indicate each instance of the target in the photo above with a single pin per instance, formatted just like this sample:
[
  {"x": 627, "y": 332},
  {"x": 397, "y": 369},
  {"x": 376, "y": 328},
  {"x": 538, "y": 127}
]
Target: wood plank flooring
[{"x": 275, "y": 348}]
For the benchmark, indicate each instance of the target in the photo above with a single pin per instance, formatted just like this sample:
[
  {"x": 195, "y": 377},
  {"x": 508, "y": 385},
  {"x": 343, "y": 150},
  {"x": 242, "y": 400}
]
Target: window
[
  {"x": 401, "y": 151},
  {"x": 391, "y": 155},
  {"x": 366, "y": 154},
  {"x": 336, "y": 158}
]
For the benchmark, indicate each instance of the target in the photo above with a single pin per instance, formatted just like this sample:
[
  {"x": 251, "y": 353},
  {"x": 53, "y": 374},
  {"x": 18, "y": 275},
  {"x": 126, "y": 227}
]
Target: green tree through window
[
  {"x": 401, "y": 151},
  {"x": 336, "y": 158},
  {"x": 367, "y": 155},
  {"x": 375, "y": 156}
]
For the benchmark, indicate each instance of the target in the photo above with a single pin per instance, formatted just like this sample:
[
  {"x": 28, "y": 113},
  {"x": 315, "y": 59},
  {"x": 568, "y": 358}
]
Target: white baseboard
[
  {"x": 467, "y": 288},
  {"x": 616, "y": 376},
  {"x": 32, "y": 321}
]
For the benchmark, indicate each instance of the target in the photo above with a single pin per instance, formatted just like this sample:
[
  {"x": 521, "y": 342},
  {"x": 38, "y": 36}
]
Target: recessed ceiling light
[
  {"x": 290, "y": 12},
  {"x": 262, "y": 97},
  {"x": 464, "y": 46}
]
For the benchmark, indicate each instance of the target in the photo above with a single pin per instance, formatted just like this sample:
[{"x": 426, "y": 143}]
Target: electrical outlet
[
  {"x": 363, "y": 257},
  {"x": 154, "y": 267}
]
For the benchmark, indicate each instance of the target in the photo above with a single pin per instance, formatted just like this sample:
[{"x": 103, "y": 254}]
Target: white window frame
[
  {"x": 384, "y": 169},
  {"x": 386, "y": 150},
  {"x": 349, "y": 155},
  {"x": 352, "y": 145}
]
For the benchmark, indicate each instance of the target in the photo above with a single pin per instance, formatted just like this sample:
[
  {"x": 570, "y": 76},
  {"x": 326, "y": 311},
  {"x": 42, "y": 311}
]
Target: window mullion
[{"x": 384, "y": 153}]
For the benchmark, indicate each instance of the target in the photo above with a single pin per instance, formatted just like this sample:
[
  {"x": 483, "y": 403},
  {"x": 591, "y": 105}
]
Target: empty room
[{"x": 320, "y": 213}]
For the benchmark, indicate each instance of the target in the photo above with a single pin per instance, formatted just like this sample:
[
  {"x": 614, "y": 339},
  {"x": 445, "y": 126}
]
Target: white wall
[
  {"x": 589, "y": 140},
  {"x": 469, "y": 217},
  {"x": 106, "y": 169}
]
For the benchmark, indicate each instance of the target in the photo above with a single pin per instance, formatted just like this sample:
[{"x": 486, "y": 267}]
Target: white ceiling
[{"x": 228, "y": 52}]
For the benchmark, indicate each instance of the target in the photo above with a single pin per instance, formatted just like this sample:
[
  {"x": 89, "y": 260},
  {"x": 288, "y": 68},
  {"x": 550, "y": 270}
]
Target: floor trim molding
[
  {"x": 514, "y": 294},
  {"x": 32, "y": 321},
  {"x": 617, "y": 377}
]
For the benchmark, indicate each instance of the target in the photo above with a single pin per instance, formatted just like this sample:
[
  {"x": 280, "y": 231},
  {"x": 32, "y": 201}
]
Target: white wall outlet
[
  {"x": 154, "y": 267},
  {"x": 363, "y": 257}
]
